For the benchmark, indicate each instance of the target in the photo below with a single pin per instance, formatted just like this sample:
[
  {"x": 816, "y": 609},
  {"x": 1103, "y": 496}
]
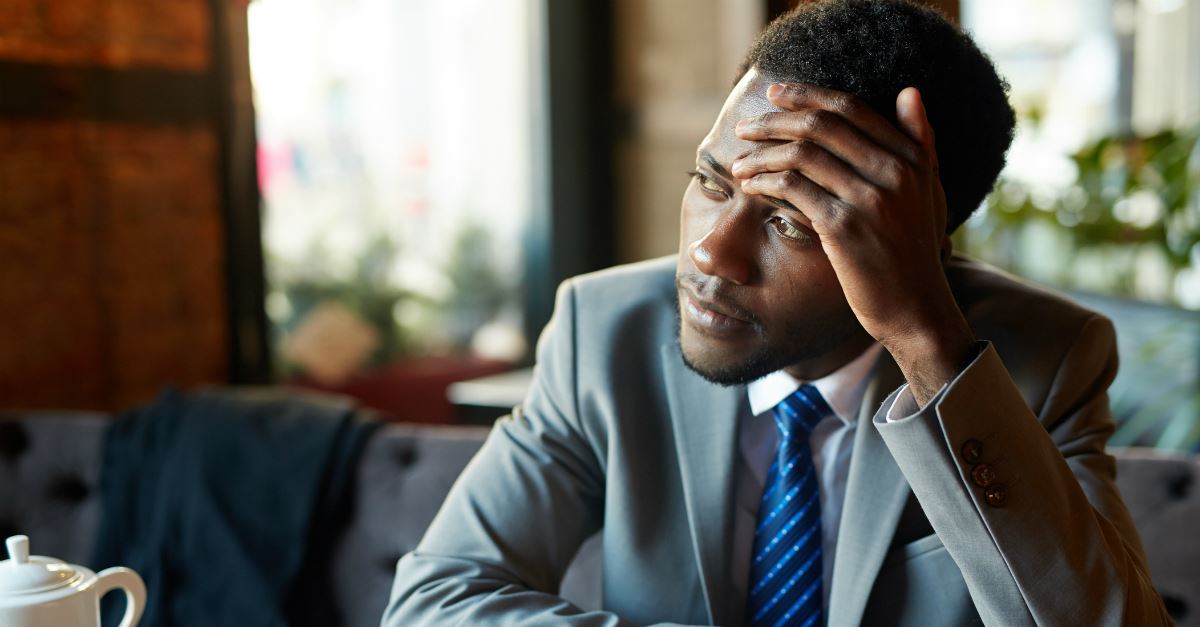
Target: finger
[
  {"x": 835, "y": 134},
  {"x": 817, "y": 205},
  {"x": 851, "y": 150},
  {"x": 912, "y": 117},
  {"x": 813, "y": 162},
  {"x": 798, "y": 96},
  {"x": 910, "y": 112}
]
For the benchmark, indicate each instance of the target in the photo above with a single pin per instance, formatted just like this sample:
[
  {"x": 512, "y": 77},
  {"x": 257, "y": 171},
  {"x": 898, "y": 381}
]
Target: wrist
[{"x": 930, "y": 356}]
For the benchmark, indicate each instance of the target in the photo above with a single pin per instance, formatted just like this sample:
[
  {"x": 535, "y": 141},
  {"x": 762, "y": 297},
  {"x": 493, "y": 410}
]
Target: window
[{"x": 395, "y": 165}]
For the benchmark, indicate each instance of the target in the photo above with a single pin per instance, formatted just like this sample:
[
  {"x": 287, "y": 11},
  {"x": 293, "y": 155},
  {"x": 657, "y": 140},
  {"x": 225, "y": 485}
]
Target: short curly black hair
[{"x": 876, "y": 48}]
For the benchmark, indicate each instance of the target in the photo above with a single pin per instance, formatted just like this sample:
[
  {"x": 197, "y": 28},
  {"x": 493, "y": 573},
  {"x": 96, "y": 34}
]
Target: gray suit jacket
[{"x": 618, "y": 436}]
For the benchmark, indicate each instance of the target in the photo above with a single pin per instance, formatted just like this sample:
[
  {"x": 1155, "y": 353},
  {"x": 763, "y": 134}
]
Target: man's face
[{"x": 756, "y": 291}]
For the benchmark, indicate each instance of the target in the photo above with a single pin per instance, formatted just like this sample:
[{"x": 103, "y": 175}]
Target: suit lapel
[
  {"x": 875, "y": 495},
  {"x": 704, "y": 420}
]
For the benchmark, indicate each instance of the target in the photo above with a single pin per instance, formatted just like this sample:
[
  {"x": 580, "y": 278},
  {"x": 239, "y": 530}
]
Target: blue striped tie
[{"x": 785, "y": 567}]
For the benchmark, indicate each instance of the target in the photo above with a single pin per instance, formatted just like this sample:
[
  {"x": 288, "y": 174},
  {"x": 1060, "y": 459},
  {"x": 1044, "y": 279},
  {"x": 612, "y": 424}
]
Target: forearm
[
  {"x": 931, "y": 360},
  {"x": 505, "y": 534},
  {"x": 1033, "y": 546},
  {"x": 933, "y": 343},
  {"x": 437, "y": 590},
  {"x": 444, "y": 590}
]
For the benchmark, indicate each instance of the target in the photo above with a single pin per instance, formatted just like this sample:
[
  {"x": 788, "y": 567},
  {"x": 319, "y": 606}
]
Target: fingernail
[
  {"x": 742, "y": 125},
  {"x": 908, "y": 102},
  {"x": 774, "y": 90},
  {"x": 735, "y": 166}
]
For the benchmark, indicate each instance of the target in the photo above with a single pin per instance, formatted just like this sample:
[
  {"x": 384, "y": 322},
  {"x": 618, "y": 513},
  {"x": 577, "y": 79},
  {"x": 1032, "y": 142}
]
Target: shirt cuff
[{"x": 903, "y": 406}]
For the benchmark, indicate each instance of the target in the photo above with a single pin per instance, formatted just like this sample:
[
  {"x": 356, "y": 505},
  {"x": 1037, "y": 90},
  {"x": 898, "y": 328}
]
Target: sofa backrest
[
  {"x": 1163, "y": 495},
  {"x": 49, "y": 472},
  {"x": 49, "y": 468},
  {"x": 404, "y": 474}
]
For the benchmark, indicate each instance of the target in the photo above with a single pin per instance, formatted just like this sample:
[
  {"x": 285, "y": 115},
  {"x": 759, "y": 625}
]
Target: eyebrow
[
  {"x": 720, "y": 169},
  {"x": 712, "y": 163}
]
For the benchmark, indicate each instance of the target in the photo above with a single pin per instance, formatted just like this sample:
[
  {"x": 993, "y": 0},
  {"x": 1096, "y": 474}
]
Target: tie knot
[{"x": 803, "y": 409}]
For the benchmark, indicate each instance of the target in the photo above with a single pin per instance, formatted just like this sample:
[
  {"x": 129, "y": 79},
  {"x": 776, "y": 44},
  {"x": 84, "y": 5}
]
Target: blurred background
[{"x": 378, "y": 197}]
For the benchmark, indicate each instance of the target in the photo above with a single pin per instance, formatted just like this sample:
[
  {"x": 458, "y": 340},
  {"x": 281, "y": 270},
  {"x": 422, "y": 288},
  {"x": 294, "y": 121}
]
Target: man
[{"x": 815, "y": 413}]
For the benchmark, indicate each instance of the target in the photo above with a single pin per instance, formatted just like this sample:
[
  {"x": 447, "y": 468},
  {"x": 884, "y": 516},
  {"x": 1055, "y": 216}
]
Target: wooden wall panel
[
  {"x": 111, "y": 263},
  {"x": 128, "y": 242},
  {"x": 170, "y": 34}
]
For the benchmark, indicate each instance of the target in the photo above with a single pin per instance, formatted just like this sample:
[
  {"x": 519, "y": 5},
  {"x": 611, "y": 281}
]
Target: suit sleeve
[
  {"x": 498, "y": 547},
  {"x": 1026, "y": 504}
]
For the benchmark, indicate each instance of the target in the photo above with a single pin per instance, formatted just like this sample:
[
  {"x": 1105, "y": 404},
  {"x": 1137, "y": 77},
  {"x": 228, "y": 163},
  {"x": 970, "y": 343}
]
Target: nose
[{"x": 725, "y": 251}]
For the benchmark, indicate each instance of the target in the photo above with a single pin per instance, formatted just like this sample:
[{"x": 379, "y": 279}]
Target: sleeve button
[
  {"x": 972, "y": 451},
  {"x": 996, "y": 495},
  {"x": 983, "y": 475}
]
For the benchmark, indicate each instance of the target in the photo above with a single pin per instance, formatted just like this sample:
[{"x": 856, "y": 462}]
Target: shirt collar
[{"x": 843, "y": 388}]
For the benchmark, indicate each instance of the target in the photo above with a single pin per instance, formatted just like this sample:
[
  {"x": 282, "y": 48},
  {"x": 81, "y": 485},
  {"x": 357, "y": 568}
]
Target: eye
[
  {"x": 706, "y": 183},
  {"x": 788, "y": 230}
]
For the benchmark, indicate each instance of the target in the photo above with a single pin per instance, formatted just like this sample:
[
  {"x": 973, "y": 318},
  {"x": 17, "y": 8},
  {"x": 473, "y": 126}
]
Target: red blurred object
[{"x": 412, "y": 390}]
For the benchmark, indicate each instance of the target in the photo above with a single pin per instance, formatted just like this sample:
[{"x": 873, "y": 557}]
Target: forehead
[{"x": 747, "y": 99}]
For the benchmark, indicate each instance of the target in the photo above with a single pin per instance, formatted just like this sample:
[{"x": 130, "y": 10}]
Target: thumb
[{"x": 910, "y": 113}]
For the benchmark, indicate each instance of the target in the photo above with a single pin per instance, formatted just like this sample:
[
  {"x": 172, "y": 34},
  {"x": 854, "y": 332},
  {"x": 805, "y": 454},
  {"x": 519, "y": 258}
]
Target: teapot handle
[{"x": 128, "y": 581}]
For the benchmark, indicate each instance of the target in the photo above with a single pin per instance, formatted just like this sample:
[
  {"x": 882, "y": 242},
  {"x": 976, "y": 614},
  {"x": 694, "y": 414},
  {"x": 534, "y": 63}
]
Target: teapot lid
[{"x": 25, "y": 574}]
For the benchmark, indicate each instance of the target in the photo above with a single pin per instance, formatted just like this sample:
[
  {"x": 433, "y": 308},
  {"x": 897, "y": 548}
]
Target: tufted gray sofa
[{"x": 49, "y": 463}]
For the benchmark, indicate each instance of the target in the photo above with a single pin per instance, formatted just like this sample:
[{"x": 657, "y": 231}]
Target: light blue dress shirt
[{"x": 832, "y": 441}]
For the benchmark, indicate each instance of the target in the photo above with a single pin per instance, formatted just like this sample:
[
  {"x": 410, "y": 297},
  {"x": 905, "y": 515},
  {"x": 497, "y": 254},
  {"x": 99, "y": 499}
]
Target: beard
[{"x": 796, "y": 341}]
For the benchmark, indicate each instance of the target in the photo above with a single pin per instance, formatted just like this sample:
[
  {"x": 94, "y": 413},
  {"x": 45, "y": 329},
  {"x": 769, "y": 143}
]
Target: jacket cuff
[{"x": 901, "y": 404}]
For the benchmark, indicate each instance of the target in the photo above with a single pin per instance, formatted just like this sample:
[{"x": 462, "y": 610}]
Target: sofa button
[
  {"x": 1179, "y": 486},
  {"x": 983, "y": 475},
  {"x": 387, "y": 563},
  {"x": 68, "y": 488},
  {"x": 972, "y": 451},
  {"x": 406, "y": 456},
  {"x": 996, "y": 495},
  {"x": 14, "y": 440}
]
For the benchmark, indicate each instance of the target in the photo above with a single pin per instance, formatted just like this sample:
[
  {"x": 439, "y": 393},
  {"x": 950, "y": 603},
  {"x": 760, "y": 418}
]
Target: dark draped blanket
[{"x": 228, "y": 503}]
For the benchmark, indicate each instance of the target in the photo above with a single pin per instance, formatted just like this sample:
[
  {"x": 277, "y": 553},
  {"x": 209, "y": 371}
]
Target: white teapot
[{"x": 38, "y": 591}]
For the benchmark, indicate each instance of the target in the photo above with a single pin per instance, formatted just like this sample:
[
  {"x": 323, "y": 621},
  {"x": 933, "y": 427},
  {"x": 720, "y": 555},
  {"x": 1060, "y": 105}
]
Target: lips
[
  {"x": 710, "y": 317},
  {"x": 715, "y": 308}
]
